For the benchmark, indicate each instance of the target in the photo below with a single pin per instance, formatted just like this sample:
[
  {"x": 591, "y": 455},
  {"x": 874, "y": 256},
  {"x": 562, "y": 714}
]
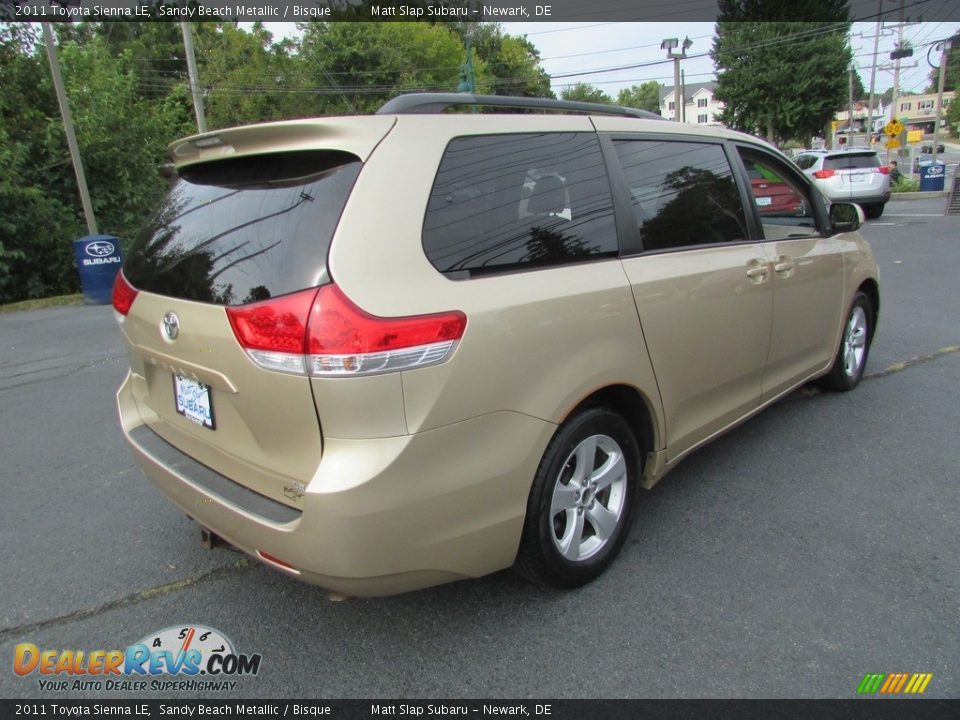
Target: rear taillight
[
  {"x": 883, "y": 170},
  {"x": 273, "y": 332},
  {"x": 824, "y": 174},
  {"x": 323, "y": 333},
  {"x": 123, "y": 296}
]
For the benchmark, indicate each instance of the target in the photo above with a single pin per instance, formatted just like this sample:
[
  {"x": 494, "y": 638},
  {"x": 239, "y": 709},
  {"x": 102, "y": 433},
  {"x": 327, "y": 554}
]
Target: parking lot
[{"x": 814, "y": 544}]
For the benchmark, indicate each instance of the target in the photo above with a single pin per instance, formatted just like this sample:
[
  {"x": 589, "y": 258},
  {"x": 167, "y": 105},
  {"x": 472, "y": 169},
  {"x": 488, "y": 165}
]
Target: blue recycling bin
[
  {"x": 99, "y": 258},
  {"x": 932, "y": 175}
]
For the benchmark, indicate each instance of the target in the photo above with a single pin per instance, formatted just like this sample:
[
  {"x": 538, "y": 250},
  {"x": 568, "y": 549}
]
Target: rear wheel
[
  {"x": 851, "y": 357},
  {"x": 874, "y": 210},
  {"x": 581, "y": 502}
]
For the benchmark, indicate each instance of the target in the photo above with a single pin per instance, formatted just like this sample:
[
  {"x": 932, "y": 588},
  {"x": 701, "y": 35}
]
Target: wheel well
[
  {"x": 869, "y": 287},
  {"x": 628, "y": 402}
]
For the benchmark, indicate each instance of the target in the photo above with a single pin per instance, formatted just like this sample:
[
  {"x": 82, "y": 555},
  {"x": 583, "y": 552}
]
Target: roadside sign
[
  {"x": 914, "y": 136},
  {"x": 893, "y": 128},
  {"x": 892, "y": 144}
]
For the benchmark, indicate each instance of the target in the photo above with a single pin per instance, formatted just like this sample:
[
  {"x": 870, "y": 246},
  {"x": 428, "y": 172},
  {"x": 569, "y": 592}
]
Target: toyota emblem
[{"x": 171, "y": 325}]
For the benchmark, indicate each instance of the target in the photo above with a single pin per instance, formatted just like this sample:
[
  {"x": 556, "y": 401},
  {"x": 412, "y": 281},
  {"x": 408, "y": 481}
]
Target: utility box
[{"x": 99, "y": 258}]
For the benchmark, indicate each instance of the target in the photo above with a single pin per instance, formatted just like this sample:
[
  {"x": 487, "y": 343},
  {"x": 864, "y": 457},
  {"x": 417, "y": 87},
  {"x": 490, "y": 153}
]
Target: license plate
[
  {"x": 193, "y": 401},
  {"x": 761, "y": 201},
  {"x": 856, "y": 178}
]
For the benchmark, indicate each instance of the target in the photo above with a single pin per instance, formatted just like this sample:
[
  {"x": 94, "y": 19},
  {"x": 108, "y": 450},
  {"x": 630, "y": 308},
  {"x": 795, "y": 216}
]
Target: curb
[{"x": 928, "y": 195}]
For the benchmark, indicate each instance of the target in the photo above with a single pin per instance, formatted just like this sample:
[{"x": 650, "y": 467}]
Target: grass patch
[
  {"x": 905, "y": 184},
  {"x": 75, "y": 299}
]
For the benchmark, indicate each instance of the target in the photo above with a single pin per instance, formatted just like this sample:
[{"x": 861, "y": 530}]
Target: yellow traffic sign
[
  {"x": 893, "y": 143},
  {"x": 893, "y": 128},
  {"x": 914, "y": 136}
]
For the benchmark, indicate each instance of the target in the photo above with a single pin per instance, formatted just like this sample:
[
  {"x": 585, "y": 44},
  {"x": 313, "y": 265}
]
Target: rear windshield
[
  {"x": 851, "y": 161},
  {"x": 236, "y": 231}
]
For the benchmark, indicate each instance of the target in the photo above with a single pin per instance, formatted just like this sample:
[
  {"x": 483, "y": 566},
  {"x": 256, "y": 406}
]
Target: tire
[
  {"x": 854, "y": 347},
  {"x": 874, "y": 210},
  {"x": 581, "y": 503}
]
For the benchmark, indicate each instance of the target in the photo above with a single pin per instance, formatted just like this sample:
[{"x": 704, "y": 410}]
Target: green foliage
[
  {"x": 780, "y": 74},
  {"x": 128, "y": 90},
  {"x": 585, "y": 92},
  {"x": 357, "y": 66},
  {"x": 905, "y": 184},
  {"x": 641, "y": 97},
  {"x": 952, "y": 77}
]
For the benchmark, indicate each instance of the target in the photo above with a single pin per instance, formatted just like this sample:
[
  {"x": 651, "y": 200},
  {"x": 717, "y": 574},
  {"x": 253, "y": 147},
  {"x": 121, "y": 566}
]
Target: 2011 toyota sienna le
[{"x": 381, "y": 353}]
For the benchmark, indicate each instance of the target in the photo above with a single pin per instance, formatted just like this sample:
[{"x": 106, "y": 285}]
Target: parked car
[
  {"x": 381, "y": 353},
  {"x": 855, "y": 175},
  {"x": 927, "y": 148}
]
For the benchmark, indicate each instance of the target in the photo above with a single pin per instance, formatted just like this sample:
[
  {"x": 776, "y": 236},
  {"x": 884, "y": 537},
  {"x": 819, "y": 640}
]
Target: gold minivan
[{"x": 386, "y": 352}]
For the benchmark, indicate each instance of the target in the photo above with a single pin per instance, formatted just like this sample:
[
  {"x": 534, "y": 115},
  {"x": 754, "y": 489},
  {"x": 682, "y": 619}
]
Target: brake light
[
  {"x": 321, "y": 332},
  {"x": 883, "y": 170},
  {"x": 123, "y": 296},
  {"x": 824, "y": 174}
]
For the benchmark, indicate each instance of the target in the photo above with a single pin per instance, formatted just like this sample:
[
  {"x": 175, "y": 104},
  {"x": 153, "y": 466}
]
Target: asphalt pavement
[{"x": 814, "y": 544}]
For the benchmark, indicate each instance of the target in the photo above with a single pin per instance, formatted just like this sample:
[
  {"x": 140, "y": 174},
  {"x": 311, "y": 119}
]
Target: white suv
[{"x": 845, "y": 176}]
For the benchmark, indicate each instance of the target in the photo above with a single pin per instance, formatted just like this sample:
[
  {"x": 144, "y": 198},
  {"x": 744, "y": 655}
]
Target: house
[
  {"x": 700, "y": 107},
  {"x": 918, "y": 112},
  {"x": 879, "y": 116}
]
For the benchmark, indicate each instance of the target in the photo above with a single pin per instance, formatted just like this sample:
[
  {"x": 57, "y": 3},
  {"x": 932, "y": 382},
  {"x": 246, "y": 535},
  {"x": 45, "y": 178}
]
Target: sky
[{"x": 584, "y": 47}]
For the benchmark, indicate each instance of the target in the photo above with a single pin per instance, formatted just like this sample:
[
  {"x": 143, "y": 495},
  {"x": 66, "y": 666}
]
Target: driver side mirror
[{"x": 846, "y": 217}]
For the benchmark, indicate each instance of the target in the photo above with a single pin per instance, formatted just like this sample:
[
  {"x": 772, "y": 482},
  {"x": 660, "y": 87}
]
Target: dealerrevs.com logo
[{"x": 186, "y": 657}]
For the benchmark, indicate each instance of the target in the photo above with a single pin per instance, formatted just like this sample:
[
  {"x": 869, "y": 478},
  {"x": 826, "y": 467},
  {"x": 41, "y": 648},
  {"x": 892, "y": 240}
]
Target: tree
[
  {"x": 779, "y": 73},
  {"x": 642, "y": 97},
  {"x": 357, "y": 66},
  {"x": 585, "y": 92},
  {"x": 859, "y": 92},
  {"x": 952, "y": 79},
  {"x": 513, "y": 63}
]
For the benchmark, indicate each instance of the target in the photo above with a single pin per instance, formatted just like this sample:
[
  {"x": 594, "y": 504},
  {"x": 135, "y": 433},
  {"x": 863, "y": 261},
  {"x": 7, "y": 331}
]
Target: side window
[
  {"x": 683, "y": 193},
  {"x": 806, "y": 161},
  {"x": 503, "y": 202},
  {"x": 782, "y": 202}
]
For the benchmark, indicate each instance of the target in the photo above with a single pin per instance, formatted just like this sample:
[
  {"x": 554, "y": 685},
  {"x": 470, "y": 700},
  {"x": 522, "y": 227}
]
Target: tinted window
[
  {"x": 245, "y": 229},
  {"x": 782, "y": 202},
  {"x": 851, "y": 161},
  {"x": 683, "y": 193},
  {"x": 515, "y": 201},
  {"x": 806, "y": 161}
]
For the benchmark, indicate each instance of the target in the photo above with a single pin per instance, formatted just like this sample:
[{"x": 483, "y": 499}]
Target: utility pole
[
  {"x": 873, "y": 70},
  {"x": 669, "y": 44},
  {"x": 850, "y": 110},
  {"x": 938, "y": 107},
  {"x": 896, "y": 68},
  {"x": 192, "y": 72},
  {"x": 68, "y": 129},
  {"x": 683, "y": 94}
]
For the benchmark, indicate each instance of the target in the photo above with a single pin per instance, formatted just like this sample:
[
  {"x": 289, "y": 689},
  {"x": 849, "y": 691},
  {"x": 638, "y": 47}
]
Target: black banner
[
  {"x": 418, "y": 10},
  {"x": 887, "y": 709}
]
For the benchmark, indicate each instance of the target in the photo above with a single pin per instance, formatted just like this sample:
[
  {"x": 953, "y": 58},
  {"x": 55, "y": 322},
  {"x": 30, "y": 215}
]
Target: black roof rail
[{"x": 413, "y": 103}]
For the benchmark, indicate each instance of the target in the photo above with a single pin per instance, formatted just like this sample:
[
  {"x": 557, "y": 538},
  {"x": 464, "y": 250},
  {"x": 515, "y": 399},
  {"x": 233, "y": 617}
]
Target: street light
[{"x": 669, "y": 44}]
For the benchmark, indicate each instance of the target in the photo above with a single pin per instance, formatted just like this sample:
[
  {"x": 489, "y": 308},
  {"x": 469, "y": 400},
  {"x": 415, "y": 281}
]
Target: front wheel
[
  {"x": 581, "y": 502},
  {"x": 851, "y": 357}
]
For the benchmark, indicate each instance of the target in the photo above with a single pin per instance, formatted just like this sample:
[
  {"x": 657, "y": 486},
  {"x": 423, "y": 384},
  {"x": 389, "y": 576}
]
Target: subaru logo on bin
[
  {"x": 98, "y": 260},
  {"x": 100, "y": 248}
]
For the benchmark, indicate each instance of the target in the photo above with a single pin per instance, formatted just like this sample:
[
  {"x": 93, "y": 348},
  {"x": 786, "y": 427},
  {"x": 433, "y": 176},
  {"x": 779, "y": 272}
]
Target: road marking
[
  {"x": 916, "y": 360},
  {"x": 910, "y": 215},
  {"x": 133, "y": 599}
]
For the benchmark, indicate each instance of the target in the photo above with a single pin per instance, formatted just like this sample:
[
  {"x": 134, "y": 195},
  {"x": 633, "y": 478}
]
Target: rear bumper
[{"x": 380, "y": 516}]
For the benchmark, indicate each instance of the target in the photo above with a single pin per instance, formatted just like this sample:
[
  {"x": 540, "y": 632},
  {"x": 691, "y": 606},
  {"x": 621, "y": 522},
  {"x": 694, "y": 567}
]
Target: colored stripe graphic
[
  {"x": 894, "y": 683},
  {"x": 871, "y": 683}
]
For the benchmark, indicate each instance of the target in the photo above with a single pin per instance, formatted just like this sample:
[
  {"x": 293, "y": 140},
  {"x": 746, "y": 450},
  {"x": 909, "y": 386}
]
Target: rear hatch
[
  {"x": 237, "y": 237},
  {"x": 858, "y": 174}
]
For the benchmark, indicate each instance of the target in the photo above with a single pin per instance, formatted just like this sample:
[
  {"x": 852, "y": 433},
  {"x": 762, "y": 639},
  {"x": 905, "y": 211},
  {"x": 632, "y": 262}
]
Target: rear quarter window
[{"x": 519, "y": 201}]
